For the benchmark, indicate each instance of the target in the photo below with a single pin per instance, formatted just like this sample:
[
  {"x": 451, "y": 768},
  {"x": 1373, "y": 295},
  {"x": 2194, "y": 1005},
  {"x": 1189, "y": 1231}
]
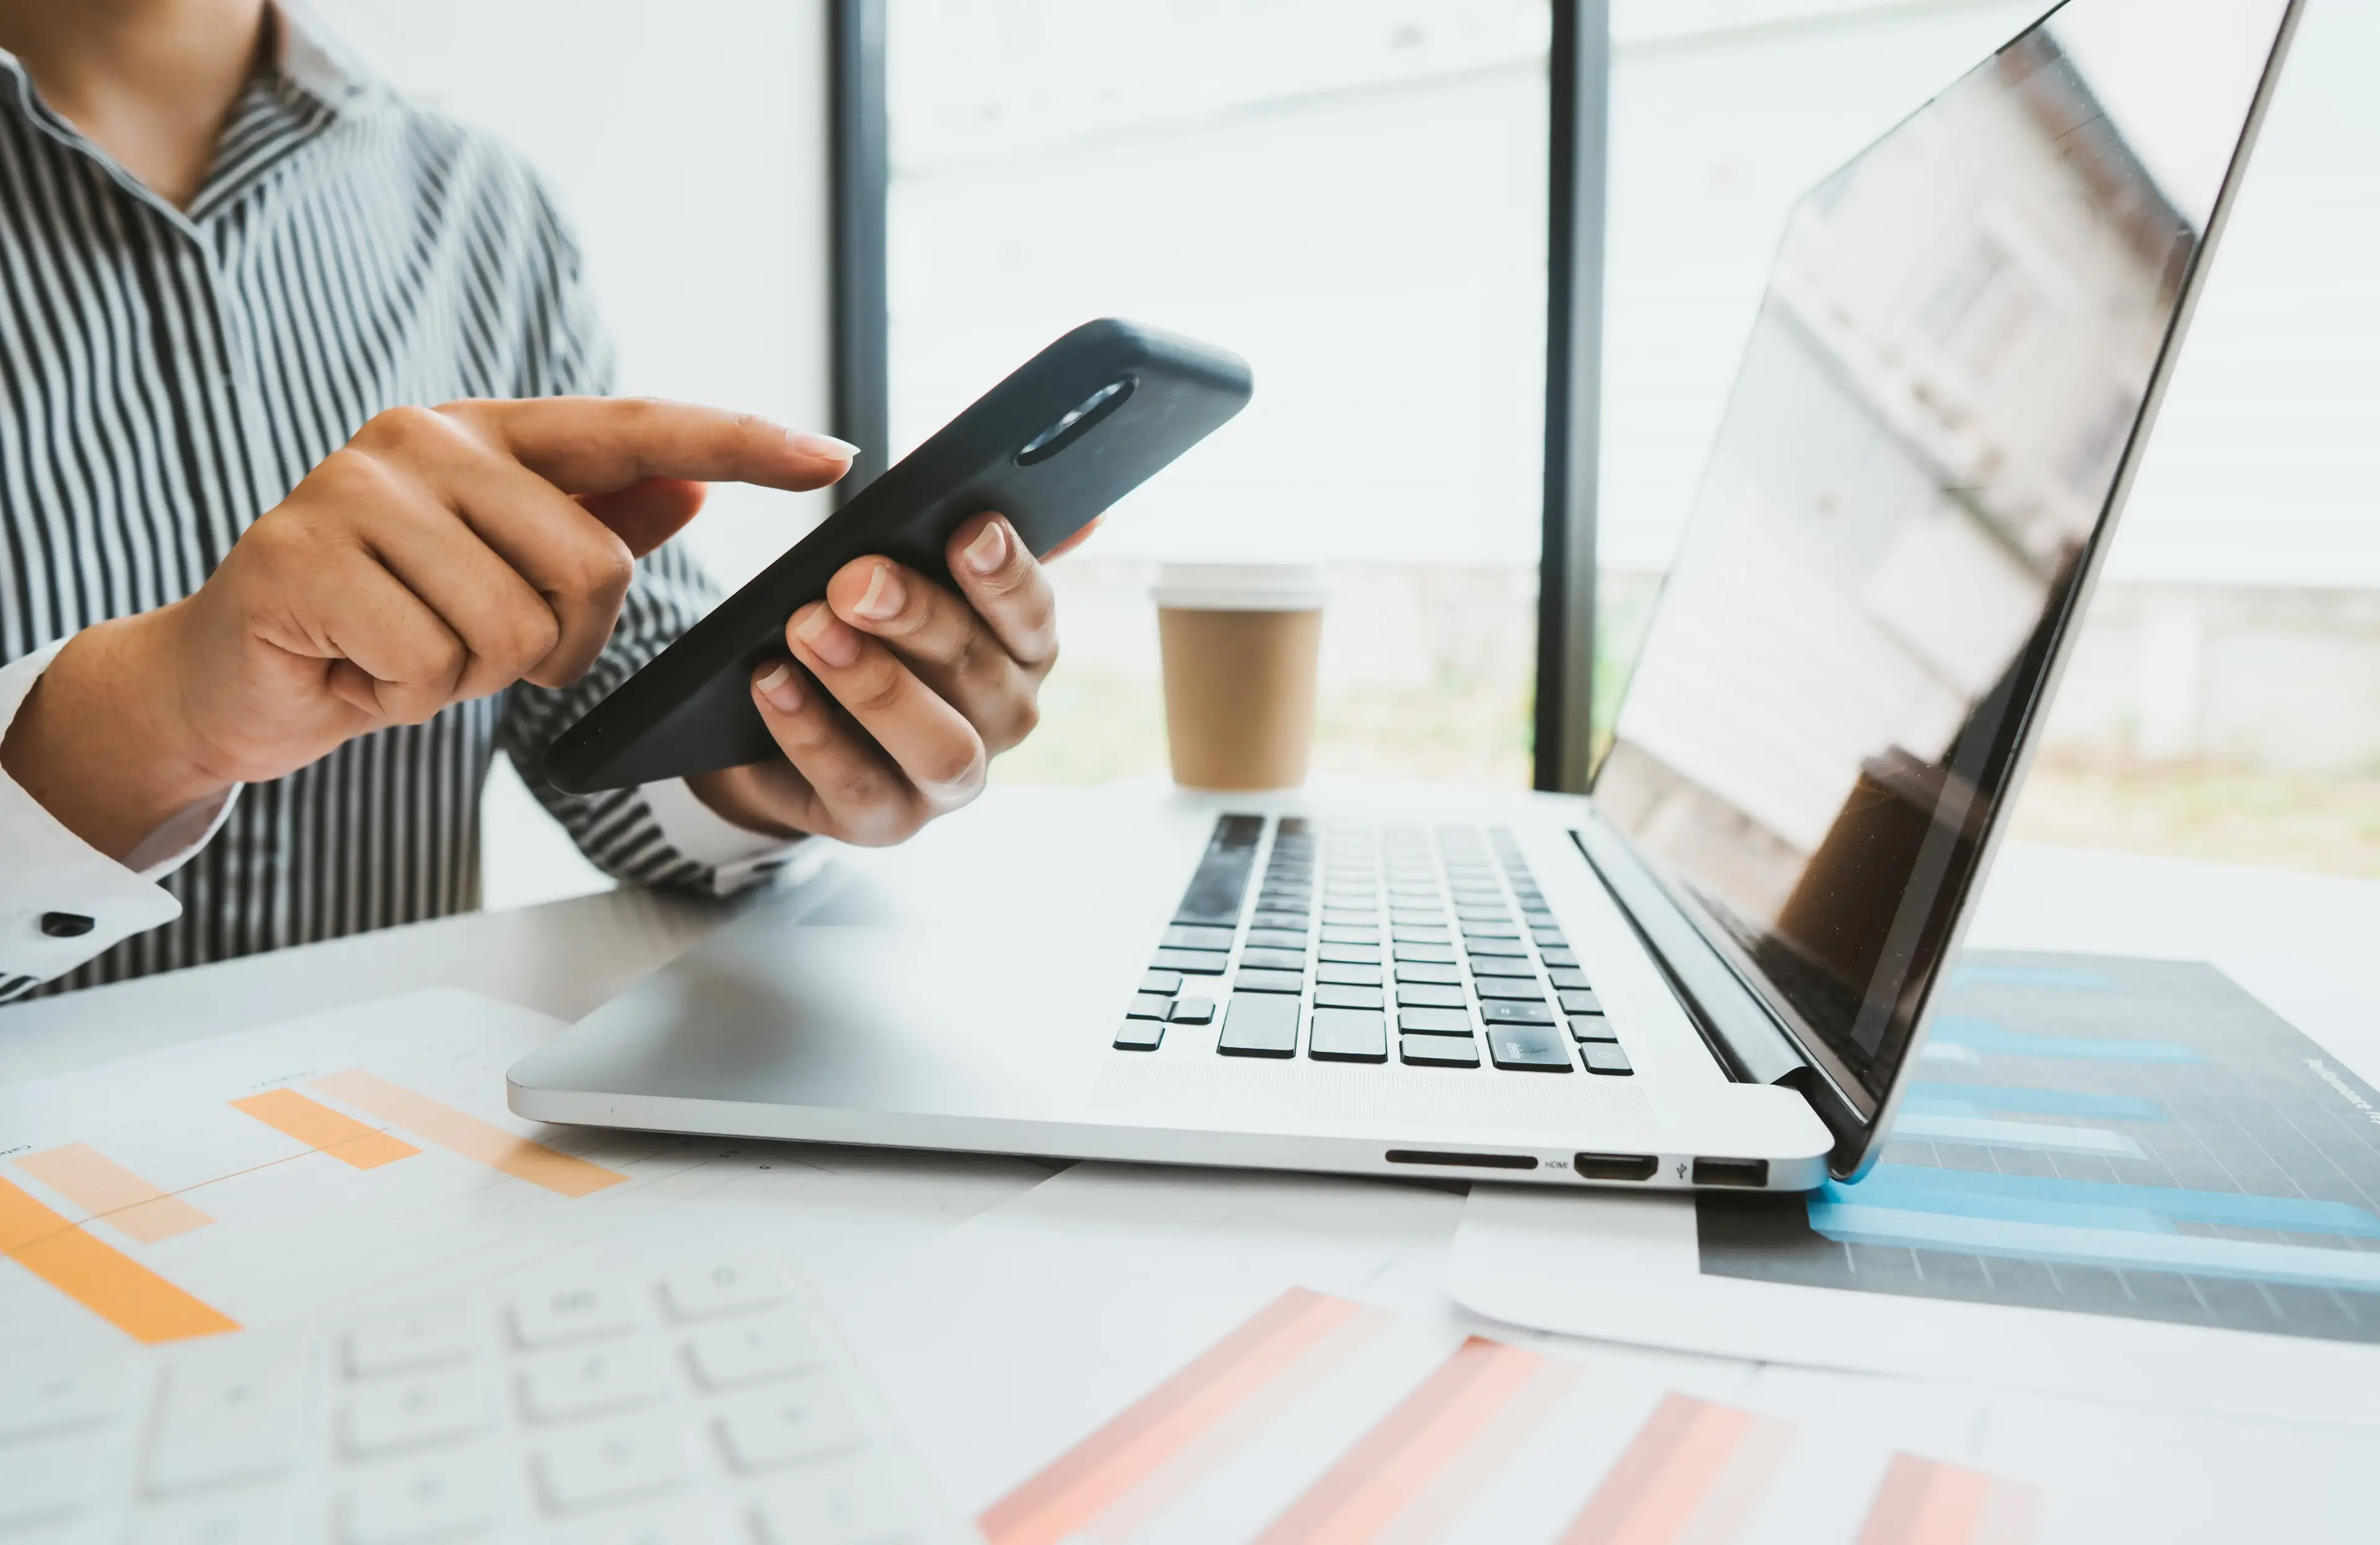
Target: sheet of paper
[
  {"x": 364, "y": 1158},
  {"x": 2116, "y": 1178}
]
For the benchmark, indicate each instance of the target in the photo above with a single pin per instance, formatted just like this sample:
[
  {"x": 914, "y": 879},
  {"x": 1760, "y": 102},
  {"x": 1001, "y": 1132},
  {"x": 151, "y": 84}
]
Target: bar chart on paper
[
  {"x": 2114, "y": 1136},
  {"x": 1321, "y": 1421},
  {"x": 289, "y": 1171}
]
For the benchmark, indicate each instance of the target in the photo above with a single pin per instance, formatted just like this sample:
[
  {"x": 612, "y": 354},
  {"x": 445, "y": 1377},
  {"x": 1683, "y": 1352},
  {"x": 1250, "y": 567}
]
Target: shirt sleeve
[
  {"x": 660, "y": 835},
  {"x": 62, "y": 901}
]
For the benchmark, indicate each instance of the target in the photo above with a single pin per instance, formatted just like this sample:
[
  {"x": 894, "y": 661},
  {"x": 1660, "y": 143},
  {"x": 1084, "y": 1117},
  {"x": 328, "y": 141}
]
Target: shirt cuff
[
  {"x": 62, "y": 901},
  {"x": 737, "y": 858}
]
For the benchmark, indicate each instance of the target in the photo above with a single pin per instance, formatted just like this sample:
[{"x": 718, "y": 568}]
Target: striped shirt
[{"x": 168, "y": 375}]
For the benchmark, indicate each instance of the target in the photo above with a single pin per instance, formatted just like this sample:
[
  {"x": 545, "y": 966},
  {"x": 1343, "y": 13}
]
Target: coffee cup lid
[{"x": 1241, "y": 588}]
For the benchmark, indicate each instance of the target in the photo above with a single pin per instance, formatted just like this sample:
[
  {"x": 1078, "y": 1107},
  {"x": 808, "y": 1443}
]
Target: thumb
[{"x": 645, "y": 515}]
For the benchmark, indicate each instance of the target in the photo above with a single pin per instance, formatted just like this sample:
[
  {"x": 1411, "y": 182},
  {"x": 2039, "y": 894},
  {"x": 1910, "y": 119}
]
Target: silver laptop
[{"x": 1716, "y": 970}]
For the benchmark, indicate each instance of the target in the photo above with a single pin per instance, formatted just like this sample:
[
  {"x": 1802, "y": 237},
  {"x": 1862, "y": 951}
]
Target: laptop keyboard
[{"x": 1357, "y": 942}]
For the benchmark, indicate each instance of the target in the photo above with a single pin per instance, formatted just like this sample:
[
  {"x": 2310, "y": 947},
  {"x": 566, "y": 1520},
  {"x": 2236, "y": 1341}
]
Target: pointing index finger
[{"x": 602, "y": 445}]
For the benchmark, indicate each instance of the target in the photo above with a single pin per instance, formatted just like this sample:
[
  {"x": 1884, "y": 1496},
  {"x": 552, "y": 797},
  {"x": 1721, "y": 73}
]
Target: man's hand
[
  {"x": 922, "y": 688},
  {"x": 441, "y": 556}
]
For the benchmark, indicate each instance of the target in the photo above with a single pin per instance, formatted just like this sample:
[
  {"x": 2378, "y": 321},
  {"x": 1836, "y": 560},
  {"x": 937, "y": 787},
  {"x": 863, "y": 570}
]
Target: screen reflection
[{"x": 1949, "y": 365}]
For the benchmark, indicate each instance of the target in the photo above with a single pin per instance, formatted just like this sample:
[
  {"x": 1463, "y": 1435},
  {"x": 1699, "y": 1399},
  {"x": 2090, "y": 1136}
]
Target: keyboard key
[
  {"x": 1421, "y": 933},
  {"x": 561, "y": 1386},
  {"x": 1274, "y": 960},
  {"x": 801, "y": 1422},
  {"x": 1351, "y": 936},
  {"x": 1193, "y": 1011},
  {"x": 1472, "y": 931},
  {"x": 1579, "y": 1000},
  {"x": 1331, "y": 995},
  {"x": 1437, "y": 1051},
  {"x": 1260, "y": 1025},
  {"x": 1591, "y": 1026},
  {"x": 1605, "y": 1056},
  {"x": 1348, "y": 1035},
  {"x": 1167, "y": 982},
  {"x": 230, "y": 1414},
  {"x": 611, "y": 1464},
  {"x": 1417, "y": 916},
  {"x": 1139, "y": 1035},
  {"x": 1503, "y": 965},
  {"x": 1269, "y": 981},
  {"x": 753, "y": 1351},
  {"x": 1349, "y": 976},
  {"x": 1532, "y": 1013},
  {"x": 1350, "y": 954},
  {"x": 1560, "y": 958},
  {"x": 1469, "y": 913},
  {"x": 427, "y": 1500},
  {"x": 1570, "y": 978},
  {"x": 1148, "y": 1005},
  {"x": 1435, "y": 954},
  {"x": 1435, "y": 1021},
  {"x": 1348, "y": 917},
  {"x": 1223, "y": 870},
  {"x": 1443, "y": 976},
  {"x": 432, "y": 1408},
  {"x": 1528, "y": 1048},
  {"x": 1193, "y": 962},
  {"x": 1525, "y": 988},
  {"x": 730, "y": 1287},
  {"x": 1422, "y": 994},
  {"x": 1550, "y": 938},
  {"x": 1293, "y": 922},
  {"x": 1187, "y": 936},
  {"x": 1497, "y": 949},
  {"x": 837, "y": 1506},
  {"x": 1277, "y": 939},
  {"x": 422, "y": 1338}
]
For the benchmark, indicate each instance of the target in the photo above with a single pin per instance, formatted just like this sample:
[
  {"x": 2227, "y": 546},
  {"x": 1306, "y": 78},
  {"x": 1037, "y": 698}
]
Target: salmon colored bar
[
  {"x": 1085, "y": 1481},
  {"x": 1693, "y": 1475},
  {"x": 1923, "y": 1502},
  {"x": 106, "y": 1189},
  {"x": 100, "y": 1278},
  {"x": 467, "y": 1136},
  {"x": 325, "y": 1130},
  {"x": 1358, "y": 1497}
]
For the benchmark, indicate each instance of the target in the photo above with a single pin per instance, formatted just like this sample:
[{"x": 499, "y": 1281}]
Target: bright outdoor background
[{"x": 1351, "y": 193}]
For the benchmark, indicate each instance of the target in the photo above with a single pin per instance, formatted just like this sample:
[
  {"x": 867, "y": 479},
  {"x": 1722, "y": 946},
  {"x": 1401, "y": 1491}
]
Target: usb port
[
  {"x": 1731, "y": 1172},
  {"x": 1614, "y": 1166}
]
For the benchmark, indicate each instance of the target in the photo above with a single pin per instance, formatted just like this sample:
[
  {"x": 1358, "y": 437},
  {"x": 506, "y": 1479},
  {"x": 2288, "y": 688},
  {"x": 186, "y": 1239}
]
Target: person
[{"x": 313, "y": 498}]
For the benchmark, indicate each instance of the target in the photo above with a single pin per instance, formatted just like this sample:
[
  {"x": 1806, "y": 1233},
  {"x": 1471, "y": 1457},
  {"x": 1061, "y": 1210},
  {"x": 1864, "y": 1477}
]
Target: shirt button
[{"x": 65, "y": 925}]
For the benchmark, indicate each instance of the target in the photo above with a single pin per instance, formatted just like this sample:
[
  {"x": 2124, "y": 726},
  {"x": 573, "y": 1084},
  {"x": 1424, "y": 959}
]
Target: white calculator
[{"x": 715, "y": 1404}]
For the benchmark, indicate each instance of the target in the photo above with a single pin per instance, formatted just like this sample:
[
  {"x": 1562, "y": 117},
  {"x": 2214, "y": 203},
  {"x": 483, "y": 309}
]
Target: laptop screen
[{"x": 1918, "y": 461}]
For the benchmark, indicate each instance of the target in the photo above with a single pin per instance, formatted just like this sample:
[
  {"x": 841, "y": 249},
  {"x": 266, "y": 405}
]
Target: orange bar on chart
[
  {"x": 328, "y": 1131},
  {"x": 100, "y": 1277},
  {"x": 1121, "y": 1476},
  {"x": 1411, "y": 1475},
  {"x": 1693, "y": 1473},
  {"x": 466, "y": 1136},
  {"x": 108, "y": 1190},
  {"x": 1923, "y": 1502}
]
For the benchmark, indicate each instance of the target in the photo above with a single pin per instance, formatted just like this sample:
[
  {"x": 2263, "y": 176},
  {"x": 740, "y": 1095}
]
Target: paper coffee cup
[{"x": 1241, "y": 642}]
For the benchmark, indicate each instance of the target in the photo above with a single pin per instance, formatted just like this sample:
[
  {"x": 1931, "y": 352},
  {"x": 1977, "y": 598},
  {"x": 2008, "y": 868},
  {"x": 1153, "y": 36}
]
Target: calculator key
[
  {"x": 1269, "y": 981},
  {"x": 1193, "y": 962},
  {"x": 1605, "y": 1056},
  {"x": 1524, "y": 988},
  {"x": 1274, "y": 960},
  {"x": 1432, "y": 955},
  {"x": 804, "y": 1420},
  {"x": 1350, "y": 954},
  {"x": 1167, "y": 982},
  {"x": 560, "y": 1386},
  {"x": 1441, "y": 976},
  {"x": 1528, "y": 1048},
  {"x": 1193, "y": 1011},
  {"x": 1139, "y": 1035},
  {"x": 59, "y": 1399},
  {"x": 1348, "y": 976},
  {"x": 1435, "y": 1021},
  {"x": 1570, "y": 980},
  {"x": 1348, "y": 1035},
  {"x": 1437, "y": 1051},
  {"x": 1422, "y": 994},
  {"x": 229, "y": 1414},
  {"x": 42, "y": 1482},
  {"x": 422, "y": 1338},
  {"x": 571, "y": 1314},
  {"x": 1580, "y": 1003},
  {"x": 1531, "y": 1013},
  {"x": 427, "y": 1500},
  {"x": 1332, "y": 996},
  {"x": 832, "y": 1505},
  {"x": 665, "y": 1526},
  {"x": 1148, "y": 1005},
  {"x": 1277, "y": 939},
  {"x": 1260, "y": 1025},
  {"x": 1591, "y": 1026},
  {"x": 753, "y": 1351},
  {"x": 1560, "y": 958},
  {"x": 609, "y": 1464},
  {"x": 730, "y": 1287},
  {"x": 393, "y": 1414},
  {"x": 1503, "y": 965}
]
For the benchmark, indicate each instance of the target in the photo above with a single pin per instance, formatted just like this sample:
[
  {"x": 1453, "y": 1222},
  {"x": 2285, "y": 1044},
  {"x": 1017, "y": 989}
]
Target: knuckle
[
  {"x": 536, "y": 632},
  {"x": 604, "y": 566},
  {"x": 879, "y": 691},
  {"x": 403, "y": 431}
]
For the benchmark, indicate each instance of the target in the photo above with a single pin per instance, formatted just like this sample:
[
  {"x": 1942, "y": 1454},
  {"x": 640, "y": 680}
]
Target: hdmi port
[
  {"x": 1731, "y": 1172},
  {"x": 1614, "y": 1166}
]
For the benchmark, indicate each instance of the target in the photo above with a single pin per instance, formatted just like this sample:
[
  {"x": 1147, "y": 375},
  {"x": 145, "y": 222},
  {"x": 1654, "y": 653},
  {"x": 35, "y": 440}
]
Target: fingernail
[
  {"x": 989, "y": 550},
  {"x": 822, "y": 445},
  {"x": 883, "y": 602},
  {"x": 784, "y": 694},
  {"x": 827, "y": 638}
]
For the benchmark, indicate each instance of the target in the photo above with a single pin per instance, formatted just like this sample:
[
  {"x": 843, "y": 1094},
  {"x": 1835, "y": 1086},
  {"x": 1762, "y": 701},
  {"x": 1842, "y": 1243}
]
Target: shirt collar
[{"x": 309, "y": 56}]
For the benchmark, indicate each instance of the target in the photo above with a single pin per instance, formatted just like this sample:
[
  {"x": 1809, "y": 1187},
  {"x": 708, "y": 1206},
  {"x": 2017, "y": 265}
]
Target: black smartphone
[{"x": 1077, "y": 427}]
